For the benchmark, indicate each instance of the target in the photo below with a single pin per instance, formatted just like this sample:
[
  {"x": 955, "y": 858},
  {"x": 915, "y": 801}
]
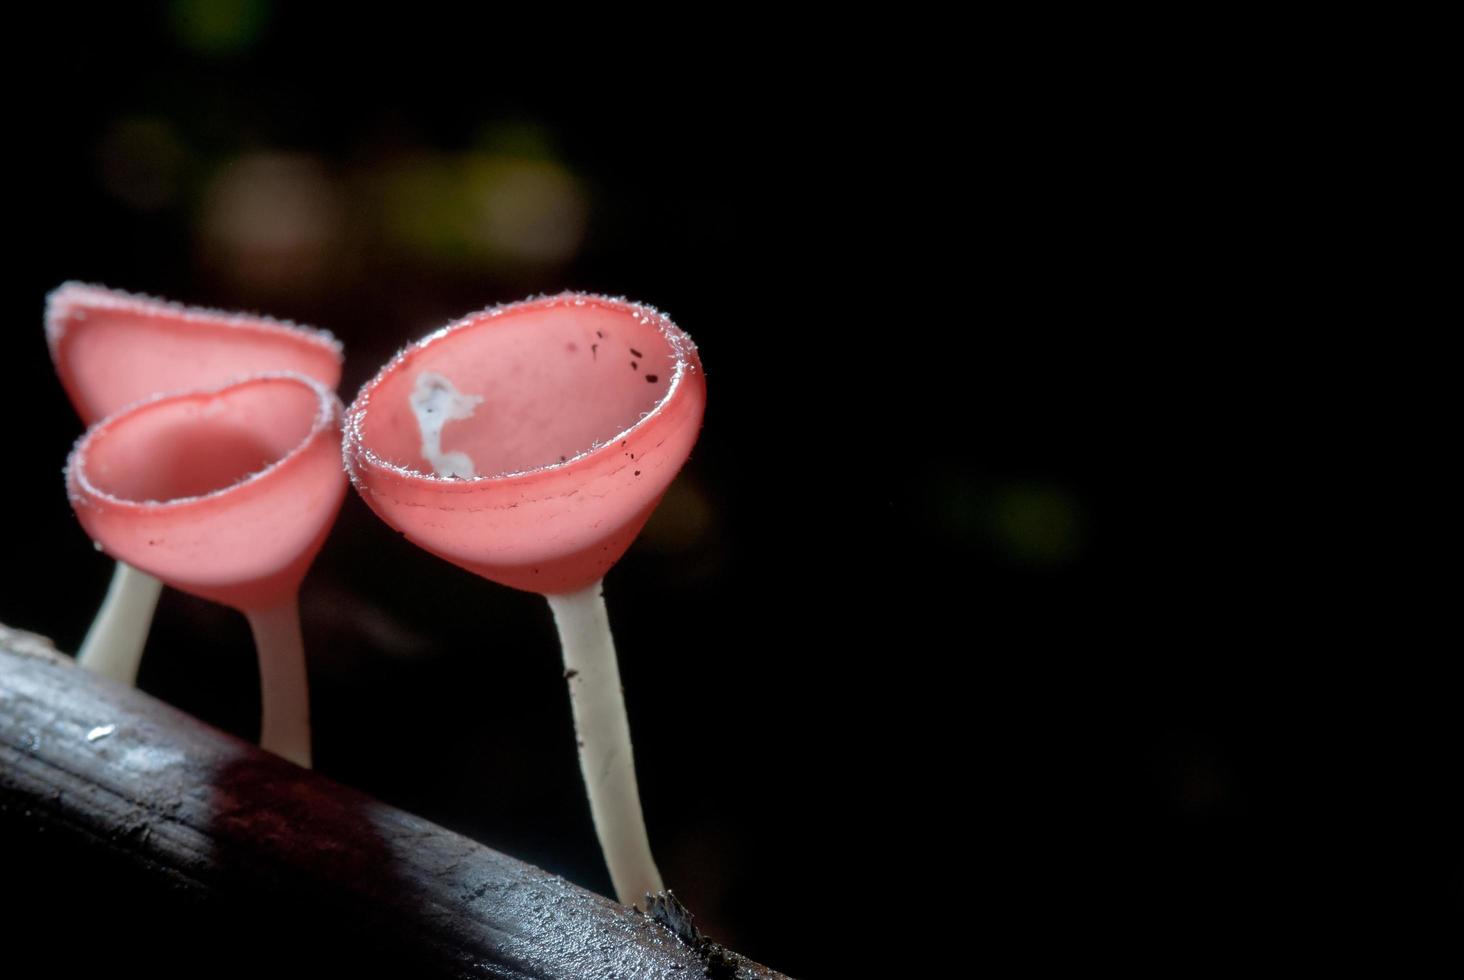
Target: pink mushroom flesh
[
  {"x": 574, "y": 412},
  {"x": 225, "y": 494},
  {"x": 112, "y": 349},
  {"x": 553, "y": 385}
]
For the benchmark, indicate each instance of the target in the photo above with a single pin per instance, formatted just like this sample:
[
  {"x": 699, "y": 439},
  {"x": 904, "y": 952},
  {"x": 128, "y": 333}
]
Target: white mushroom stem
[
  {"x": 113, "y": 645},
  {"x": 284, "y": 688},
  {"x": 603, "y": 733}
]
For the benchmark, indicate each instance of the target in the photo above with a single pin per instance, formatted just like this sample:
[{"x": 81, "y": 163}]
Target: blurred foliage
[{"x": 219, "y": 28}]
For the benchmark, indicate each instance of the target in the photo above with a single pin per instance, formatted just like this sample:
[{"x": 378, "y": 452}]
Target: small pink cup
[
  {"x": 113, "y": 349},
  {"x": 227, "y": 494}
]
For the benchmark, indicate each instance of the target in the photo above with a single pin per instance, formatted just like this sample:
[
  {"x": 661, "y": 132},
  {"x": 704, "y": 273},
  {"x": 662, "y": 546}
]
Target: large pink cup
[
  {"x": 584, "y": 409},
  {"x": 529, "y": 443}
]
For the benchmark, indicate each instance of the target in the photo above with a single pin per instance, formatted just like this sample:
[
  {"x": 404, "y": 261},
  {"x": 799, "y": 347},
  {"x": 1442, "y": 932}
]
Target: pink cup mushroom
[
  {"x": 529, "y": 444},
  {"x": 226, "y": 494},
  {"x": 112, "y": 349}
]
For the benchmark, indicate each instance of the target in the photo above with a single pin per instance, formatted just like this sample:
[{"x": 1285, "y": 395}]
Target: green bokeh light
[{"x": 219, "y": 27}]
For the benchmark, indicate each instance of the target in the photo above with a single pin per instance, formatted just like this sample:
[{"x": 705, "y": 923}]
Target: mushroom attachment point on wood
[
  {"x": 113, "y": 349},
  {"x": 529, "y": 443},
  {"x": 226, "y": 494}
]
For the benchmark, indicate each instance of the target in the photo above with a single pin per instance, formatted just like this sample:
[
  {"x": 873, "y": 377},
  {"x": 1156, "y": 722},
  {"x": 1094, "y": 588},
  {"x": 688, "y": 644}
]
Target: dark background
[{"x": 978, "y": 619}]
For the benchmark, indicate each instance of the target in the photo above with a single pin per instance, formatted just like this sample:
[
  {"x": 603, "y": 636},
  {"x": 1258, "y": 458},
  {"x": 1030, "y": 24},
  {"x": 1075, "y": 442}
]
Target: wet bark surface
[{"x": 133, "y": 836}]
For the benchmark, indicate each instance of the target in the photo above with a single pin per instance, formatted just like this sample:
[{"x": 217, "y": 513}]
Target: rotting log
[{"x": 135, "y": 837}]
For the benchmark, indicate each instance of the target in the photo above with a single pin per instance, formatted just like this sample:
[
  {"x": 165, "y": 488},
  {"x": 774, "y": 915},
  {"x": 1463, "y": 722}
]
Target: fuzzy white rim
[
  {"x": 328, "y": 406},
  {"x": 356, "y": 452},
  {"x": 70, "y": 298}
]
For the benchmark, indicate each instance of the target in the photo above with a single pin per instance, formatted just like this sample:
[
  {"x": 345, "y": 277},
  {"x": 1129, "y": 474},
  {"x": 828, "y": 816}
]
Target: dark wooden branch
[{"x": 132, "y": 835}]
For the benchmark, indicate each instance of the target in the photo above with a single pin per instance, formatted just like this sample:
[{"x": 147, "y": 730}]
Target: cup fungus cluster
[
  {"x": 527, "y": 443},
  {"x": 112, "y": 350}
]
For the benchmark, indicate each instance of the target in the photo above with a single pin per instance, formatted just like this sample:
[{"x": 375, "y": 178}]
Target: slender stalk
[
  {"x": 284, "y": 688},
  {"x": 113, "y": 645},
  {"x": 603, "y": 733}
]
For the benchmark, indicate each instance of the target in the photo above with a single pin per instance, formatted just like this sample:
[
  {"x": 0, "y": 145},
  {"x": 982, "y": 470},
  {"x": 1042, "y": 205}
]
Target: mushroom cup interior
[
  {"x": 184, "y": 447},
  {"x": 531, "y": 387}
]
